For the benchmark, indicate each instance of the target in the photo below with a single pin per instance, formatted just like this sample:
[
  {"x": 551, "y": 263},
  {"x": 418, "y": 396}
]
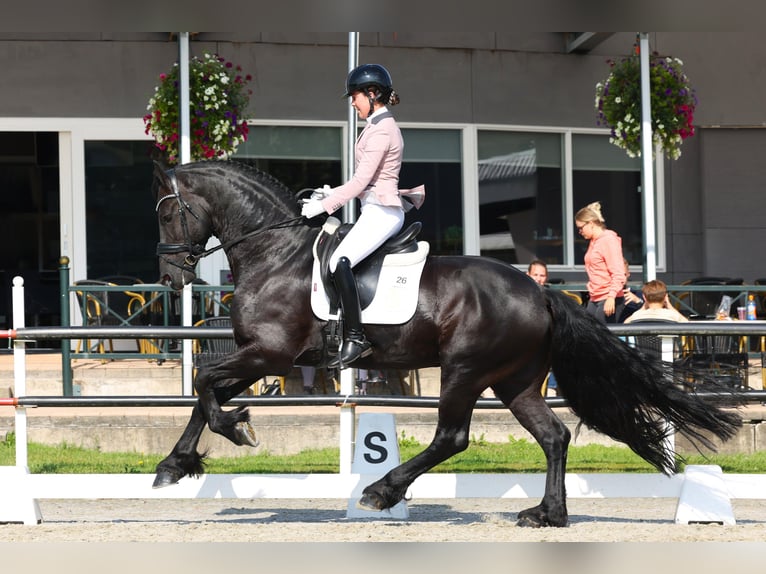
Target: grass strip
[{"x": 515, "y": 456}]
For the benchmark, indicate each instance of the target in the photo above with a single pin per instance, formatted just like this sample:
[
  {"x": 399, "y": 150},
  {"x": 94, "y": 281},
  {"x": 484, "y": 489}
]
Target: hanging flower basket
[
  {"x": 618, "y": 102},
  {"x": 218, "y": 97}
]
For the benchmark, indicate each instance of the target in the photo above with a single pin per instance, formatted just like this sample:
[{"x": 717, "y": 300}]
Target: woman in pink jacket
[
  {"x": 604, "y": 264},
  {"x": 376, "y": 183}
]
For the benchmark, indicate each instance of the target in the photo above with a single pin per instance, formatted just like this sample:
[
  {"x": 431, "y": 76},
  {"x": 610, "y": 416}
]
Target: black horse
[{"x": 486, "y": 324}]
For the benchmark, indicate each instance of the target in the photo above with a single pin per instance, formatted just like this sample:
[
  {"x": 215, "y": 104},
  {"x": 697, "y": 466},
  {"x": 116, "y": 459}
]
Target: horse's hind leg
[
  {"x": 451, "y": 437},
  {"x": 553, "y": 436}
]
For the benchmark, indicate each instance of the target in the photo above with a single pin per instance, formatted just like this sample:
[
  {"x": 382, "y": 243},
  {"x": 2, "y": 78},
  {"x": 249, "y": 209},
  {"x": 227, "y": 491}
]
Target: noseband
[{"x": 196, "y": 251}]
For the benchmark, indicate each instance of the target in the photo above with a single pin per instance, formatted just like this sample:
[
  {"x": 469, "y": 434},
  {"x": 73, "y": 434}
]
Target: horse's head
[{"x": 184, "y": 228}]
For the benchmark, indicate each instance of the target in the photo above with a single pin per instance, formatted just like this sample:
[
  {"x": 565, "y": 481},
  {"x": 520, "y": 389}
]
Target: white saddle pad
[{"x": 396, "y": 297}]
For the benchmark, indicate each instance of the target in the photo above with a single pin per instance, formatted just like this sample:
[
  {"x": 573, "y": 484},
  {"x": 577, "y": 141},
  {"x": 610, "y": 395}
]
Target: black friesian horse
[{"x": 486, "y": 324}]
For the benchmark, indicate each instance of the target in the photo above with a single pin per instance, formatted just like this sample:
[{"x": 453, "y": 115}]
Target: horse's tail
[{"x": 623, "y": 394}]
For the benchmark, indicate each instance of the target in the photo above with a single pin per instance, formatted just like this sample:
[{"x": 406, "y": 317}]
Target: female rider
[{"x": 376, "y": 182}]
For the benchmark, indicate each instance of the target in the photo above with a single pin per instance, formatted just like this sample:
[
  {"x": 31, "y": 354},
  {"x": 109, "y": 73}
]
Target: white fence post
[
  {"x": 186, "y": 344},
  {"x": 20, "y": 373}
]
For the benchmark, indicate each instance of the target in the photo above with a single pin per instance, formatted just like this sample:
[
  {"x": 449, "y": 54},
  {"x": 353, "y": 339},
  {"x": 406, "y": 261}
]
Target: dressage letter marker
[
  {"x": 376, "y": 452},
  {"x": 16, "y": 501},
  {"x": 704, "y": 497}
]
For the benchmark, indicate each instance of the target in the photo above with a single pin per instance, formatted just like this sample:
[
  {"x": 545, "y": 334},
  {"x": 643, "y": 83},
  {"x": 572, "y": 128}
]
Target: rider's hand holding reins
[{"x": 312, "y": 208}]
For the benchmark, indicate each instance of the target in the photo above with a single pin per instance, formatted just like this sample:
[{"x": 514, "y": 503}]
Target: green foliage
[
  {"x": 618, "y": 104},
  {"x": 481, "y": 441},
  {"x": 218, "y": 100},
  {"x": 9, "y": 441},
  {"x": 405, "y": 441}
]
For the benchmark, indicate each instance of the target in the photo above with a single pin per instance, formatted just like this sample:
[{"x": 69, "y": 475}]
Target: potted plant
[
  {"x": 218, "y": 99},
  {"x": 673, "y": 101}
]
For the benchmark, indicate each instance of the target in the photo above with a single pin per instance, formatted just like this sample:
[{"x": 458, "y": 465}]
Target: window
[
  {"x": 432, "y": 157},
  {"x": 121, "y": 223},
  {"x": 29, "y": 217},
  {"x": 520, "y": 196},
  {"x": 603, "y": 172},
  {"x": 309, "y": 157},
  {"x": 523, "y": 194}
]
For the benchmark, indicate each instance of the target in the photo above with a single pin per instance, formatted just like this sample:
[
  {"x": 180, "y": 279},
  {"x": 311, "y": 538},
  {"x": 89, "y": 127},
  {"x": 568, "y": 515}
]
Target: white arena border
[
  {"x": 704, "y": 493},
  {"x": 427, "y": 486}
]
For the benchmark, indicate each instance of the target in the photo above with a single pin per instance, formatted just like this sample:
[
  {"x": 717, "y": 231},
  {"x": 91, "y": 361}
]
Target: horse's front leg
[
  {"x": 213, "y": 392},
  {"x": 451, "y": 437},
  {"x": 183, "y": 460}
]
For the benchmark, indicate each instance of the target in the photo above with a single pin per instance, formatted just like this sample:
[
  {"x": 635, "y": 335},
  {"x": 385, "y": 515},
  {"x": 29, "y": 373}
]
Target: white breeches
[{"x": 375, "y": 224}]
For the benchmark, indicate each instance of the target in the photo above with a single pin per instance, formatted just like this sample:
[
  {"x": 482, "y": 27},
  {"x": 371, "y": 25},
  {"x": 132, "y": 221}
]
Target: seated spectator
[
  {"x": 633, "y": 301},
  {"x": 657, "y": 305},
  {"x": 538, "y": 271}
]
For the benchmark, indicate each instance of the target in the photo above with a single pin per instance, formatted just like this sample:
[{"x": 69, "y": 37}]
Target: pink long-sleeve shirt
[
  {"x": 379, "y": 150},
  {"x": 605, "y": 266}
]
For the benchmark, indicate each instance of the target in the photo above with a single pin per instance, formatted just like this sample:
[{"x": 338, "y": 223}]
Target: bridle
[{"x": 197, "y": 251}]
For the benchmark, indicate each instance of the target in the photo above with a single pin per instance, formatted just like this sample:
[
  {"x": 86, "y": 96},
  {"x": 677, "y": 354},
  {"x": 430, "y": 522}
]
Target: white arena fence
[{"x": 703, "y": 491}]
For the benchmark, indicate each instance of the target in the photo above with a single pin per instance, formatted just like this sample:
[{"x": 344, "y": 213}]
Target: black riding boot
[{"x": 355, "y": 345}]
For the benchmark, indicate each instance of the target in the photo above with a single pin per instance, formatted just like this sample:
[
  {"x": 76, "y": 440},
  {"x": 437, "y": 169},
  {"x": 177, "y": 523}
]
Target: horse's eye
[{"x": 167, "y": 218}]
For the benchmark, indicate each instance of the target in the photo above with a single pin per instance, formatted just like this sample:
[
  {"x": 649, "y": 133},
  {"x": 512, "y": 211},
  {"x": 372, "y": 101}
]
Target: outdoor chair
[
  {"x": 719, "y": 358},
  {"x": 705, "y": 303},
  {"x": 656, "y": 346}
]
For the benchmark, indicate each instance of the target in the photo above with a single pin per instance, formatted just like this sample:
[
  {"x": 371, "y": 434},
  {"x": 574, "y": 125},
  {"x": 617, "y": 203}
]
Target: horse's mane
[{"x": 247, "y": 171}]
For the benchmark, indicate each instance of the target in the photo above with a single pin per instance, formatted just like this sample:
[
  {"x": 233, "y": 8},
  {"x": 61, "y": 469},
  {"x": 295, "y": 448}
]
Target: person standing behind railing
[{"x": 604, "y": 264}]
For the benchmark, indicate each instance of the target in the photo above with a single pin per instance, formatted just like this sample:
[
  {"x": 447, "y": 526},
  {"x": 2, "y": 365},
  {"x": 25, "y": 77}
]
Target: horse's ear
[{"x": 160, "y": 178}]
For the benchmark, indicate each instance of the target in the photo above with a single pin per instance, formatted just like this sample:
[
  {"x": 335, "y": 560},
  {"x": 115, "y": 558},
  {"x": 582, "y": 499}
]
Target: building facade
[{"x": 500, "y": 127}]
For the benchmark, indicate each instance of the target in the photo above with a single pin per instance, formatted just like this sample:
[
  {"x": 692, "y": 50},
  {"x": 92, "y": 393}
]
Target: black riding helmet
[{"x": 366, "y": 76}]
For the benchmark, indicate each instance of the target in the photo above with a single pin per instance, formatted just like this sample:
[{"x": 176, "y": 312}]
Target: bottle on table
[{"x": 750, "y": 313}]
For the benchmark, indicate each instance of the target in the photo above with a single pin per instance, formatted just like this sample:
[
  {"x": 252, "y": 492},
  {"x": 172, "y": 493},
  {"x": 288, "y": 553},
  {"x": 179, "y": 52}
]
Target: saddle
[{"x": 367, "y": 272}]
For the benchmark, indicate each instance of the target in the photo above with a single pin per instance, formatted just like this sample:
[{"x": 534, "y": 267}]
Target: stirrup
[{"x": 350, "y": 351}]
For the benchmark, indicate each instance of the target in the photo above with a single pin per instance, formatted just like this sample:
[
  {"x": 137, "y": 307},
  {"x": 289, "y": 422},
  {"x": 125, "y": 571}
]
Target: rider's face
[{"x": 361, "y": 104}]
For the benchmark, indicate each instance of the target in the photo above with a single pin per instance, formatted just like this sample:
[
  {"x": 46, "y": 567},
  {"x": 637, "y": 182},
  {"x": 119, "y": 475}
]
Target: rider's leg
[
  {"x": 355, "y": 344},
  {"x": 375, "y": 224}
]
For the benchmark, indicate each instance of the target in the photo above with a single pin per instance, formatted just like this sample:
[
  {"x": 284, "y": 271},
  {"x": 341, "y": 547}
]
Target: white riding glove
[
  {"x": 312, "y": 208},
  {"x": 321, "y": 192}
]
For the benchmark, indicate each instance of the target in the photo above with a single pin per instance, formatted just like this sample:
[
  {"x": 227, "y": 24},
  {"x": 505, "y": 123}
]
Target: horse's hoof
[
  {"x": 527, "y": 522},
  {"x": 165, "y": 478},
  {"x": 370, "y": 502},
  {"x": 246, "y": 434}
]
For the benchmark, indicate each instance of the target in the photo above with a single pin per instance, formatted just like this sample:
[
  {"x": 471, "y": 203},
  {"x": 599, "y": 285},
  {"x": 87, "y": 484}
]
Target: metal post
[
  {"x": 183, "y": 98},
  {"x": 348, "y": 410},
  {"x": 349, "y": 210},
  {"x": 20, "y": 373},
  {"x": 647, "y": 164},
  {"x": 667, "y": 344},
  {"x": 66, "y": 344},
  {"x": 186, "y": 344}
]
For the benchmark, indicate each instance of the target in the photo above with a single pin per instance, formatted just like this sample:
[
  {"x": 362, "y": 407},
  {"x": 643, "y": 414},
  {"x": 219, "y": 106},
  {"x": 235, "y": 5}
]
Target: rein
[{"x": 197, "y": 251}]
